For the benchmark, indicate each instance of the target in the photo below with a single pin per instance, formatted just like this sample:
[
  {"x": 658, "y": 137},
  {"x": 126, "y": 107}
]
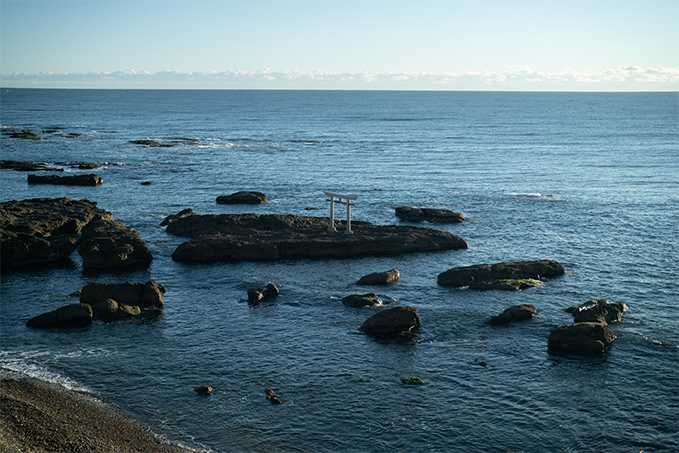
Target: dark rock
[
  {"x": 599, "y": 310},
  {"x": 468, "y": 275},
  {"x": 109, "y": 243},
  {"x": 25, "y": 134},
  {"x": 414, "y": 380},
  {"x": 581, "y": 338},
  {"x": 75, "y": 180},
  {"x": 412, "y": 214},
  {"x": 203, "y": 390},
  {"x": 248, "y": 237},
  {"x": 361, "y": 300},
  {"x": 144, "y": 295},
  {"x": 171, "y": 218},
  {"x": 275, "y": 400},
  {"x": 110, "y": 310},
  {"x": 504, "y": 285},
  {"x": 166, "y": 143},
  {"x": 70, "y": 315},
  {"x": 243, "y": 197},
  {"x": 515, "y": 313},
  {"x": 380, "y": 278},
  {"x": 269, "y": 393},
  {"x": 85, "y": 166},
  {"x": 147, "y": 183},
  {"x": 26, "y": 166},
  {"x": 394, "y": 321},
  {"x": 257, "y": 294},
  {"x": 43, "y": 230}
]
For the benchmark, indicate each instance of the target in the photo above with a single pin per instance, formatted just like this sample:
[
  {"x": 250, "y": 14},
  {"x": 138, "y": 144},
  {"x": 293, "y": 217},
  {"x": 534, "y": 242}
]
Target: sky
[{"x": 521, "y": 45}]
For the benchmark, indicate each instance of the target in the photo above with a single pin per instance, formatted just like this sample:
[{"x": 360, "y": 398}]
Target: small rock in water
[
  {"x": 414, "y": 380},
  {"x": 203, "y": 390}
]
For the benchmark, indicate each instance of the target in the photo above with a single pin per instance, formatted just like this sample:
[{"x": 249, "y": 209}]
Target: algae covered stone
[{"x": 414, "y": 380}]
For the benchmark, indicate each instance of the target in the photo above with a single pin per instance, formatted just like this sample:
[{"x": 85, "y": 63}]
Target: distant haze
[{"x": 570, "y": 45}]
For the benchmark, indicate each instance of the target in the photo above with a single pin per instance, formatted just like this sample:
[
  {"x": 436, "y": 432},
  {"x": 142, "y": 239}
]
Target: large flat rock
[
  {"x": 249, "y": 237},
  {"x": 479, "y": 273}
]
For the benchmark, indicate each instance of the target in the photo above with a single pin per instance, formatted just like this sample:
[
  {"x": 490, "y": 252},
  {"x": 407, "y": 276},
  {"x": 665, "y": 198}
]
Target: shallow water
[{"x": 588, "y": 179}]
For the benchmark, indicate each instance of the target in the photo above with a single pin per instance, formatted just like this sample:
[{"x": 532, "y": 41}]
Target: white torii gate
[{"x": 337, "y": 198}]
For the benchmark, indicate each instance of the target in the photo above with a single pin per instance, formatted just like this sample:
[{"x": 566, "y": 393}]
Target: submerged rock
[
  {"x": 514, "y": 313},
  {"x": 479, "y": 273},
  {"x": 394, "y": 321},
  {"x": 414, "y": 380},
  {"x": 75, "y": 180},
  {"x": 26, "y": 166},
  {"x": 361, "y": 300},
  {"x": 581, "y": 338},
  {"x": 380, "y": 278},
  {"x": 263, "y": 292},
  {"x": 248, "y": 237},
  {"x": 243, "y": 197},
  {"x": 412, "y": 214},
  {"x": 67, "y": 316}
]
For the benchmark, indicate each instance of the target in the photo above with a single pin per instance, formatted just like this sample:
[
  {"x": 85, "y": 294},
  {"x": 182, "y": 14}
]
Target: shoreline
[{"x": 38, "y": 416}]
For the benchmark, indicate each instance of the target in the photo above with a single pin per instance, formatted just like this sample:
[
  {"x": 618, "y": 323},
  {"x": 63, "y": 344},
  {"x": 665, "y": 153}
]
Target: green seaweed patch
[
  {"x": 74, "y": 294},
  {"x": 25, "y": 134},
  {"x": 413, "y": 380},
  {"x": 136, "y": 311}
]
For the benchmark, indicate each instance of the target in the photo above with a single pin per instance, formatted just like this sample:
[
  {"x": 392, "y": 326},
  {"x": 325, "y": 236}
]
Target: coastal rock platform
[
  {"x": 249, "y": 237},
  {"x": 48, "y": 230}
]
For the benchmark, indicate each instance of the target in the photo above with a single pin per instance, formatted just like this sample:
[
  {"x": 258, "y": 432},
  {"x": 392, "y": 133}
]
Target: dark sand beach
[{"x": 39, "y": 417}]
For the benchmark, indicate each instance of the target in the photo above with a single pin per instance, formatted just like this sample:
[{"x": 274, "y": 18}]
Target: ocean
[{"x": 590, "y": 180}]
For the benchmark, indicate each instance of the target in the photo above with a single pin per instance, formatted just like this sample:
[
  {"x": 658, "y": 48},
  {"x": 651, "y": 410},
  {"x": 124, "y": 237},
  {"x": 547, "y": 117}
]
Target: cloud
[{"x": 628, "y": 78}]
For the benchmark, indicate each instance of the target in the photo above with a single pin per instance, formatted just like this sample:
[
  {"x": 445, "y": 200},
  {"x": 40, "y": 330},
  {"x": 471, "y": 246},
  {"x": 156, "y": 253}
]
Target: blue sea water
[{"x": 588, "y": 179}]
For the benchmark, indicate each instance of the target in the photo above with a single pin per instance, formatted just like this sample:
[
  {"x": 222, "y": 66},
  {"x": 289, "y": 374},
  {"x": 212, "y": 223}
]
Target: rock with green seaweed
[
  {"x": 505, "y": 284},
  {"x": 361, "y": 300},
  {"x": 413, "y": 380}
]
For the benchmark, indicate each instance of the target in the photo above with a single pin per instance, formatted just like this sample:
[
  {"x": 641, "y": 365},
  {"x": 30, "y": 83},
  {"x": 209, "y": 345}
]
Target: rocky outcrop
[
  {"x": 111, "y": 310},
  {"x": 68, "y": 316},
  {"x": 181, "y": 214},
  {"x": 147, "y": 295},
  {"x": 203, "y": 390},
  {"x": 263, "y": 292},
  {"x": 43, "y": 230},
  {"x": 380, "y": 278},
  {"x": 599, "y": 310},
  {"x": 109, "y": 243},
  {"x": 514, "y": 313},
  {"x": 249, "y": 237},
  {"x": 581, "y": 338},
  {"x": 470, "y": 275},
  {"x": 26, "y": 166},
  {"x": 243, "y": 197},
  {"x": 361, "y": 300},
  {"x": 394, "y": 321},
  {"x": 75, "y": 180},
  {"x": 412, "y": 214}
]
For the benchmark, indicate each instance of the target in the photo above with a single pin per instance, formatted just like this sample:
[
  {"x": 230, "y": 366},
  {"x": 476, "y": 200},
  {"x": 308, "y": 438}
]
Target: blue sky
[{"x": 588, "y": 45}]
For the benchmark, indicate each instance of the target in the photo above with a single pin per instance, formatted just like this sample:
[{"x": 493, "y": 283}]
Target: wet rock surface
[
  {"x": 361, "y": 300},
  {"x": 243, "y": 197},
  {"x": 413, "y": 214},
  {"x": 263, "y": 292},
  {"x": 380, "y": 278},
  {"x": 479, "y": 273},
  {"x": 394, "y": 321},
  {"x": 109, "y": 243},
  {"x": 249, "y": 237},
  {"x": 514, "y": 313},
  {"x": 44, "y": 230},
  {"x": 581, "y": 338},
  {"x": 74, "y": 180},
  {"x": 67, "y": 316},
  {"x": 26, "y": 166},
  {"x": 599, "y": 310}
]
